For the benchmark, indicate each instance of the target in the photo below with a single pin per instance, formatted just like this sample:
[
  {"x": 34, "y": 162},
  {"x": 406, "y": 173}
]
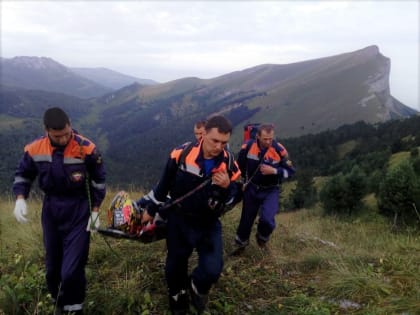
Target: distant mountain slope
[
  {"x": 110, "y": 78},
  {"x": 41, "y": 73},
  {"x": 137, "y": 125},
  {"x": 312, "y": 96},
  {"x": 300, "y": 98},
  {"x": 31, "y": 104}
]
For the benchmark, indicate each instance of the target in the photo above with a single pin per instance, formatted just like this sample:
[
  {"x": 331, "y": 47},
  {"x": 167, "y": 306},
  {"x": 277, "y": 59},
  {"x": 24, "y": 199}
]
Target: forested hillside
[
  {"x": 379, "y": 162},
  {"x": 327, "y": 153},
  {"x": 366, "y": 145}
]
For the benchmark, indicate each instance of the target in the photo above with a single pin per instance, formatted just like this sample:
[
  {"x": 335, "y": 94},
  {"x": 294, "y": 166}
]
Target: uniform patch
[{"x": 76, "y": 176}]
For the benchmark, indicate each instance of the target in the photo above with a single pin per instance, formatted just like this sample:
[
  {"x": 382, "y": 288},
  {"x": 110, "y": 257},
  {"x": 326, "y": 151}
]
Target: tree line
[
  {"x": 363, "y": 170},
  {"x": 354, "y": 158}
]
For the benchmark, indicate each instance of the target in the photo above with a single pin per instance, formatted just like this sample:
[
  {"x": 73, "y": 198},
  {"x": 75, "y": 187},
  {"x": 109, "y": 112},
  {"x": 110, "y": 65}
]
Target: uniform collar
[{"x": 200, "y": 158}]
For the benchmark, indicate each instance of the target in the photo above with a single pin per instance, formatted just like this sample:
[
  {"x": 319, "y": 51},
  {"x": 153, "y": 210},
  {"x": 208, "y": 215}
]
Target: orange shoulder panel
[
  {"x": 223, "y": 167},
  {"x": 192, "y": 156},
  {"x": 41, "y": 146},
  {"x": 283, "y": 152},
  {"x": 235, "y": 176},
  {"x": 272, "y": 154},
  {"x": 176, "y": 153},
  {"x": 254, "y": 149},
  {"x": 79, "y": 147}
]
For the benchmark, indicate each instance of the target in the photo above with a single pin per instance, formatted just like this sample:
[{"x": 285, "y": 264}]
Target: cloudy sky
[{"x": 167, "y": 40}]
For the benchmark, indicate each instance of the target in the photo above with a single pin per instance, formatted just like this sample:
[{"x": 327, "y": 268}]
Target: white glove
[
  {"x": 21, "y": 210},
  {"x": 93, "y": 223}
]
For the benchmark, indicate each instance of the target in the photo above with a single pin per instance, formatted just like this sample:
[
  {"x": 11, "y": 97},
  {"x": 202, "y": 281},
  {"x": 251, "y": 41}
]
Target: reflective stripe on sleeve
[
  {"x": 20, "y": 179},
  {"x": 191, "y": 169},
  {"x": 98, "y": 185},
  {"x": 42, "y": 158},
  {"x": 151, "y": 196},
  {"x": 73, "y": 307},
  {"x": 68, "y": 160}
]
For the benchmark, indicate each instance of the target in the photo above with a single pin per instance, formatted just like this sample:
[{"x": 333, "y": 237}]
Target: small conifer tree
[{"x": 399, "y": 195}]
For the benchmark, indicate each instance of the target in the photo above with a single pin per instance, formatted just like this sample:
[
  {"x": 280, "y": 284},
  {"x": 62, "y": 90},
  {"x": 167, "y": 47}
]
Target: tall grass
[{"x": 313, "y": 265}]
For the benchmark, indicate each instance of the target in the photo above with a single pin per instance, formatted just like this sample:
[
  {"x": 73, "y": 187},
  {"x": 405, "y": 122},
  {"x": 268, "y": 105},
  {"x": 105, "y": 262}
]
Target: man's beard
[{"x": 57, "y": 145}]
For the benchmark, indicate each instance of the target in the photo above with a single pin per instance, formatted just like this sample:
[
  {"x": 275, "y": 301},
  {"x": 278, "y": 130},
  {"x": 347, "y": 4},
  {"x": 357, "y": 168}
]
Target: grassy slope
[{"x": 313, "y": 264}]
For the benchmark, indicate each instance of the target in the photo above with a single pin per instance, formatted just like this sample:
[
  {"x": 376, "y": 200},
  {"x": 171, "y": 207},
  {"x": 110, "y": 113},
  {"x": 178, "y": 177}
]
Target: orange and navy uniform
[
  {"x": 180, "y": 178},
  {"x": 193, "y": 221},
  {"x": 62, "y": 172},
  {"x": 251, "y": 157},
  {"x": 261, "y": 197}
]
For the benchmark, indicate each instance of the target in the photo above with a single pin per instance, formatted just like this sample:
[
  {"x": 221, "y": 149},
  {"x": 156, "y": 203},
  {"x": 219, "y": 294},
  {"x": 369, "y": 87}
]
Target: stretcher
[{"x": 124, "y": 221}]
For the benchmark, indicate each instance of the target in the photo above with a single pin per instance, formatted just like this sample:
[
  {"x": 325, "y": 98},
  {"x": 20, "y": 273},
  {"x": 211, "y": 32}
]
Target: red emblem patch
[{"x": 76, "y": 176}]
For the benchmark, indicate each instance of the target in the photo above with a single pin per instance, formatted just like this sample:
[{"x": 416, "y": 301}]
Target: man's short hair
[
  {"x": 267, "y": 127},
  {"x": 222, "y": 124},
  {"x": 200, "y": 123},
  {"x": 55, "y": 118}
]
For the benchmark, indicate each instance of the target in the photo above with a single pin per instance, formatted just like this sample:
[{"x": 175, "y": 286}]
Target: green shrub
[
  {"x": 343, "y": 194},
  {"x": 23, "y": 288},
  {"x": 305, "y": 194},
  {"x": 399, "y": 195}
]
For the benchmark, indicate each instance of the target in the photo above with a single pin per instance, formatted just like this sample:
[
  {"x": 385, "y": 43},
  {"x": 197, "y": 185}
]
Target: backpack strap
[
  {"x": 187, "y": 149},
  {"x": 276, "y": 147},
  {"x": 248, "y": 145},
  {"x": 230, "y": 163}
]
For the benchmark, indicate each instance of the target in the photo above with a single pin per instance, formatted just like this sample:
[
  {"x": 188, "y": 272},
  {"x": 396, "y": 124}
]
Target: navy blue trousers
[
  {"x": 66, "y": 241},
  {"x": 183, "y": 237},
  {"x": 255, "y": 199}
]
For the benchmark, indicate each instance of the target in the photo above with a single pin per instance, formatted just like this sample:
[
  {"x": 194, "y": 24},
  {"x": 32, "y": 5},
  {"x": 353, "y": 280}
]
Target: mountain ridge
[
  {"x": 44, "y": 73},
  {"x": 110, "y": 78},
  {"x": 138, "y": 124}
]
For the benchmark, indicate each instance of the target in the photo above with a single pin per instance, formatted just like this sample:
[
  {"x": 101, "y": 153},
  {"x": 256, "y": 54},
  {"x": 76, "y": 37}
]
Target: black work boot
[
  {"x": 261, "y": 242},
  {"x": 199, "y": 301},
  {"x": 179, "y": 303},
  {"x": 57, "y": 307},
  {"x": 57, "y": 311},
  {"x": 239, "y": 246}
]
